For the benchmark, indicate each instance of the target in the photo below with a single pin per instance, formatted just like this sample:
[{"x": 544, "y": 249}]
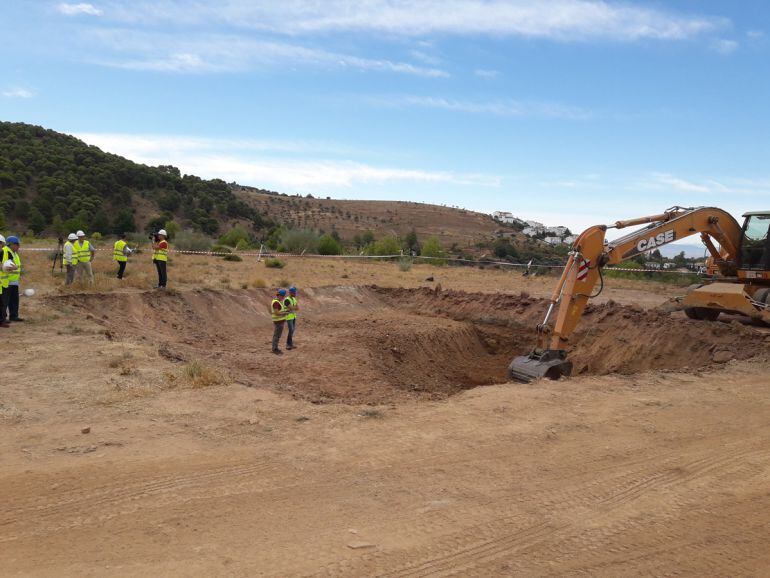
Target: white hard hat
[
  {"x": 9, "y": 265},
  {"x": 2, "y": 239},
  {"x": 81, "y": 234},
  {"x": 72, "y": 237},
  {"x": 163, "y": 232}
]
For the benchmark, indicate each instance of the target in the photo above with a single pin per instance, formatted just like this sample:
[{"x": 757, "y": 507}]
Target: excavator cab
[{"x": 754, "y": 252}]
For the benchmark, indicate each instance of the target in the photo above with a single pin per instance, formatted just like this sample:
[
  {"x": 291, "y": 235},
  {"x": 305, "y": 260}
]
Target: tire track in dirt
[{"x": 462, "y": 550}]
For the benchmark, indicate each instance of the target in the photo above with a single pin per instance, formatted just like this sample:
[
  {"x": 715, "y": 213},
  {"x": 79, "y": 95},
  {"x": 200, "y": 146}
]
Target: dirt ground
[{"x": 388, "y": 443}]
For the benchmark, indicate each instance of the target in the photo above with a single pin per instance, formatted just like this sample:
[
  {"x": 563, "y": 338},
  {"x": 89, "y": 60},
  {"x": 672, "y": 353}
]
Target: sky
[{"x": 572, "y": 112}]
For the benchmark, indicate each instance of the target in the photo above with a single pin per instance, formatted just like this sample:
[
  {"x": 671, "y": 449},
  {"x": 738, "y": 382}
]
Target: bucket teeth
[{"x": 550, "y": 363}]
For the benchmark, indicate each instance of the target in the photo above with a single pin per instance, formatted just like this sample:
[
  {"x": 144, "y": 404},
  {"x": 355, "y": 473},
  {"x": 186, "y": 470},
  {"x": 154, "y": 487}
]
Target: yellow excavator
[{"x": 737, "y": 281}]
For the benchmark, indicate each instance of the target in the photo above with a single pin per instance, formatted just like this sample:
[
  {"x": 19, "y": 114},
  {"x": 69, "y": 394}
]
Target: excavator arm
[{"x": 590, "y": 253}]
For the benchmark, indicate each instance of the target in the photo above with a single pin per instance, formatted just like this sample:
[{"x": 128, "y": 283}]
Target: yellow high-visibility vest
[
  {"x": 291, "y": 315},
  {"x": 82, "y": 251},
  {"x": 15, "y": 275},
  {"x": 117, "y": 252},
  {"x": 4, "y": 275},
  {"x": 74, "y": 260},
  {"x": 278, "y": 315},
  {"x": 160, "y": 254}
]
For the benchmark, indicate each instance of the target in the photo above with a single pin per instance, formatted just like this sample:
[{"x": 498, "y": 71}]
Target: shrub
[
  {"x": 258, "y": 283},
  {"x": 232, "y": 257},
  {"x": 243, "y": 245},
  {"x": 221, "y": 249},
  {"x": 274, "y": 263},
  {"x": 283, "y": 282},
  {"x": 234, "y": 237},
  {"x": 173, "y": 229},
  {"x": 188, "y": 241},
  {"x": 299, "y": 241},
  {"x": 96, "y": 236},
  {"x": 385, "y": 246},
  {"x": 405, "y": 264},
  {"x": 433, "y": 248},
  {"x": 328, "y": 245}
]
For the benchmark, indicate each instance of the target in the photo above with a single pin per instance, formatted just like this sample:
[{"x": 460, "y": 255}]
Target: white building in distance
[{"x": 504, "y": 217}]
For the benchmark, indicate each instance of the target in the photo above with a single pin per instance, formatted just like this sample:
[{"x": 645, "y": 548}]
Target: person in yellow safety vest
[
  {"x": 69, "y": 258},
  {"x": 291, "y": 319},
  {"x": 3, "y": 293},
  {"x": 11, "y": 281},
  {"x": 160, "y": 257},
  {"x": 84, "y": 253},
  {"x": 278, "y": 313},
  {"x": 120, "y": 253}
]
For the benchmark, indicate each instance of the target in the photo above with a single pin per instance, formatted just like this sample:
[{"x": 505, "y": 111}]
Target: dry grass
[
  {"x": 200, "y": 271},
  {"x": 197, "y": 375}
]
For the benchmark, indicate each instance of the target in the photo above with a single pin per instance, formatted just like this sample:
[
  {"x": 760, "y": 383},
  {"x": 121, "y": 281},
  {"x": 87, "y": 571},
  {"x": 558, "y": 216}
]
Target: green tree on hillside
[
  {"x": 411, "y": 243},
  {"x": 384, "y": 246},
  {"x": 328, "y": 245},
  {"x": 433, "y": 248},
  {"x": 124, "y": 222}
]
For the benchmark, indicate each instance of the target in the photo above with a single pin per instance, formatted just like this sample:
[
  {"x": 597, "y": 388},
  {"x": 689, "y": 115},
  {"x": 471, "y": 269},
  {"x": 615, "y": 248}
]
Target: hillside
[
  {"x": 52, "y": 182},
  {"x": 454, "y": 227}
]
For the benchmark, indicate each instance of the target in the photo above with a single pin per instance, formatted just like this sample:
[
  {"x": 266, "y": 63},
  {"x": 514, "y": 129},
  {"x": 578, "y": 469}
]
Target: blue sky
[{"x": 571, "y": 112}]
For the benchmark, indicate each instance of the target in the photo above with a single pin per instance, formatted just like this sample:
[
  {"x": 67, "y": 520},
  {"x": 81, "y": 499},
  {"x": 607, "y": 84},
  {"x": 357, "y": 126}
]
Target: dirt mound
[
  {"x": 611, "y": 338},
  {"x": 376, "y": 345}
]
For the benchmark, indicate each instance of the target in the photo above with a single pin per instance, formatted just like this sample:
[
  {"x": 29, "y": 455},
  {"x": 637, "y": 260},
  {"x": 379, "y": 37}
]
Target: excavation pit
[{"x": 378, "y": 345}]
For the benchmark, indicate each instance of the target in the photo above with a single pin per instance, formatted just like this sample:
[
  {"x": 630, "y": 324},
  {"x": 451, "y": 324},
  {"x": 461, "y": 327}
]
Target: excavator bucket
[{"x": 550, "y": 363}]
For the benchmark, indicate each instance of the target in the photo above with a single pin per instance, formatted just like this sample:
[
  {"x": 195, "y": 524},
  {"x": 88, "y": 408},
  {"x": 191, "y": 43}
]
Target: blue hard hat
[
  {"x": 12, "y": 239},
  {"x": 282, "y": 292},
  {"x": 293, "y": 289}
]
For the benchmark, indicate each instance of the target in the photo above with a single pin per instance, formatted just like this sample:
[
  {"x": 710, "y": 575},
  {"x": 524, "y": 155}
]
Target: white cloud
[
  {"x": 680, "y": 184},
  {"x": 563, "y": 20},
  {"x": 18, "y": 92},
  {"x": 425, "y": 57},
  {"x": 253, "y": 163},
  {"x": 485, "y": 73},
  {"x": 724, "y": 46},
  {"x": 510, "y": 108},
  {"x": 218, "y": 53},
  {"x": 82, "y": 8}
]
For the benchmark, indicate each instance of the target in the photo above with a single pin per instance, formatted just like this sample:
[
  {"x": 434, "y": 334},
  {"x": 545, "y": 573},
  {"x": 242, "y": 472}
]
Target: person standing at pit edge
[
  {"x": 3, "y": 292},
  {"x": 84, "y": 253},
  {"x": 278, "y": 313},
  {"x": 69, "y": 258},
  {"x": 160, "y": 257},
  {"x": 120, "y": 254},
  {"x": 290, "y": 302},
  {"x": 12, "y": 278}
]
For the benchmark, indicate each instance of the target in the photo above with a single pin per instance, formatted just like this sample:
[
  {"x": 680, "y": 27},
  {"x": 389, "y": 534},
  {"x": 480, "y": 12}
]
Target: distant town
[
  {"x": 561, "y": 235},
  {"x": 552, "y": 235}
]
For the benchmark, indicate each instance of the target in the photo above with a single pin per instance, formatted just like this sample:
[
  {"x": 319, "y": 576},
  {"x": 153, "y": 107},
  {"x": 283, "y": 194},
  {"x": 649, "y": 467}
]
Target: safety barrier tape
[{"x": 275, "y": 254}]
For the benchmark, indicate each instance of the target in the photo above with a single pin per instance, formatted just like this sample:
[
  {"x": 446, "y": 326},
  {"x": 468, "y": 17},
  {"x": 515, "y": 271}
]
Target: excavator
[{"x": 737, "y": 279}]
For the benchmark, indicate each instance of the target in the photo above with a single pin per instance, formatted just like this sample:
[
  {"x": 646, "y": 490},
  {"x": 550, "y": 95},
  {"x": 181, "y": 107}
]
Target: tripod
[{"x": 58, "y": 256}]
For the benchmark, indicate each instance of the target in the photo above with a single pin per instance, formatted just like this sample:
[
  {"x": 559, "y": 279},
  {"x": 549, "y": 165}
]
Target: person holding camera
[{"x": 160, "y": 256}]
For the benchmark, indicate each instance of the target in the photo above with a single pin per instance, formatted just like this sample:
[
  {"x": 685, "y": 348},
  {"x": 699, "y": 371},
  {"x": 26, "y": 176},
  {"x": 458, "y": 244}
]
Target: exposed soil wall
[{"x": 374, "y": 345}]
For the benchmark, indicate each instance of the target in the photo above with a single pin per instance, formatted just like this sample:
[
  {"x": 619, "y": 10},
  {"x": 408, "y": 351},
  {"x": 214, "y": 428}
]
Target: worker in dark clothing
[{"x": 290, "y": 301}]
